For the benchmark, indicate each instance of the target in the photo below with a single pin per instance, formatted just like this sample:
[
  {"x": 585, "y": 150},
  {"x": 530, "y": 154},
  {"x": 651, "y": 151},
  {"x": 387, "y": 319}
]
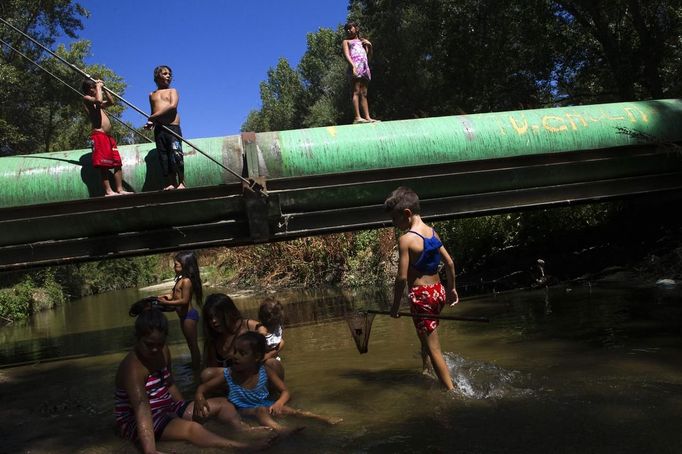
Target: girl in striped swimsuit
[
  {"x": 247, "y": 382},
  {"x": 149, "y": 406}
]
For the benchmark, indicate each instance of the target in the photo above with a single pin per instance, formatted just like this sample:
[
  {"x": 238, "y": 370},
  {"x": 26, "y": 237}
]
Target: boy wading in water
[
  {"x": 105, "y": 154},
  {"x": 420, "y": 253},
  {"x": 164, "y": 104}
]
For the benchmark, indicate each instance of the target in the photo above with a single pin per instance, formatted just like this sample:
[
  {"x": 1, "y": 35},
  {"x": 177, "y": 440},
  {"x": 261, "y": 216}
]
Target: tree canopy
[
  {"x": 444, "y": 57},
  {"x": 37, "y": 112}
]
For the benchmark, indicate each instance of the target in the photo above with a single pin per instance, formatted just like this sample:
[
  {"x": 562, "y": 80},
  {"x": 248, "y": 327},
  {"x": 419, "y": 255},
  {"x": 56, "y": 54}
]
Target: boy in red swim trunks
[
  {"x": 420, "y": 253},
  {"x": 104, "y": 152}
]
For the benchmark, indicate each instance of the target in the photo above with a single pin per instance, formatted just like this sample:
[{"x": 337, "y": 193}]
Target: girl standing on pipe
[{"x": 358, "y": 51}]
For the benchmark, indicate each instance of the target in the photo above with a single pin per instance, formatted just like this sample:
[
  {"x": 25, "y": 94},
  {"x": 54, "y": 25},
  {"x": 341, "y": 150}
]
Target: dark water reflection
[{"x": 583, "y": 368}]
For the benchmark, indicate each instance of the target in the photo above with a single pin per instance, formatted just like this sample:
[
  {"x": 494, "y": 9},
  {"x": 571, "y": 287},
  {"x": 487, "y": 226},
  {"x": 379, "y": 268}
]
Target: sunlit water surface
[{"x": 588, "y": 368}]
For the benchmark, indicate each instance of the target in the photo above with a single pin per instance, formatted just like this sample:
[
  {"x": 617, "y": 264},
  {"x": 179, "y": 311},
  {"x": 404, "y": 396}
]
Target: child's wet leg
[
  {"x": 427, "y": 367},
  {"x": 189, "y": 329},
  {"x": 332, "y": 420},
  {"x": 265, "y": 419},
  {"x": 437, "y": 360},
  {"x": 195, "y": 433}
]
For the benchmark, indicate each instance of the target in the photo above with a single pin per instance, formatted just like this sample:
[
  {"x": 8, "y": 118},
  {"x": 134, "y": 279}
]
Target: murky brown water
[{"x": 580, "y": 369}]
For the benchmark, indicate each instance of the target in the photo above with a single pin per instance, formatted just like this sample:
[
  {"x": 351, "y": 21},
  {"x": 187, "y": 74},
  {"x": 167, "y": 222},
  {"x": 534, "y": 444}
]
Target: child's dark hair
[
  {"x": 271, "y": 314},
  {"x": 349, "y": 24},
  {"x": 402, "y": 198},
  {"x": 190, "y": 269},
  {"x": 222, "y": 307},
  {"x": 87, "y": 85},
  {"x": 160, "y": 68},
  {"x": 149, "y": 318},
  {"x": 256, "y": 342}
]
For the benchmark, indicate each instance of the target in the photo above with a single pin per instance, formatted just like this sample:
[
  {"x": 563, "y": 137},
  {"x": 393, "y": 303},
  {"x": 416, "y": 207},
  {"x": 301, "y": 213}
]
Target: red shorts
[
  {"x": 104, "y": 152},
  {"x": 426, "y": 299}
]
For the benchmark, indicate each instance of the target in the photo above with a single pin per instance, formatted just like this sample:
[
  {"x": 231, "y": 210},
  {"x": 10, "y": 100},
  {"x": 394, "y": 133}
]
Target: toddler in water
[
  {"x": 247, "y": 381},
  {"x": 271, "y": 316},
  {"x": 357, "y": 51}
]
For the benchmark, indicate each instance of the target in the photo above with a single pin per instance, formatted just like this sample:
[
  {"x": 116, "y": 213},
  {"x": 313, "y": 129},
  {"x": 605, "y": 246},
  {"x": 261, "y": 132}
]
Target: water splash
[{"x": 479, "y": 380}]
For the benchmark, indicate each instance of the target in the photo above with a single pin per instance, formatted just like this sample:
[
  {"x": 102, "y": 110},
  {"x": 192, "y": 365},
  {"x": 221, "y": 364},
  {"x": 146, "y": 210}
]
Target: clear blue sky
[{"x": 219, "y": 50}]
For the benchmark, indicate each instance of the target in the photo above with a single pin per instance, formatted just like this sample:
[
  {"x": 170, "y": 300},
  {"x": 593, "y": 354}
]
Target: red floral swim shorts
[{"x": 426, "y": 299}]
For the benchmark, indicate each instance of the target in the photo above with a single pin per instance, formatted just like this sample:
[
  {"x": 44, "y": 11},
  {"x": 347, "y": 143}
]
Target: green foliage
[
  {"x": 97, "y": 277},
  {"x": 280, "y": 95},
  {"x": 37, "y": 112},
  {"x": 349, "y": 259},
  {"x": 33, "y": 293}
]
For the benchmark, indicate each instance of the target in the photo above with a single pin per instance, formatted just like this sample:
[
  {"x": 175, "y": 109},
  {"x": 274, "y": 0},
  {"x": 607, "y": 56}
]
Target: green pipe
[{"x": 53, "y": 177}]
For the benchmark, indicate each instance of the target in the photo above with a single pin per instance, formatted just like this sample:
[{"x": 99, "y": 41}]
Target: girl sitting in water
[
  {"x": 148, "y": 405},
  {"x": 247, "y": 381},
  {"x": 187, "y": 285},
  {"x": 222, "y": 324},
  {"x": 271, "y": 316}
]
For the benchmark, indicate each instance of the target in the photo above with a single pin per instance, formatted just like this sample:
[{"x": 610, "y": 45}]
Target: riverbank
[{"x": 492, "y": 254}]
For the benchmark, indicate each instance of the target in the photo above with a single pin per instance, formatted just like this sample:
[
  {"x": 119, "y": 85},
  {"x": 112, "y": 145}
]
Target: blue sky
[{"x": 219, "y": 50}]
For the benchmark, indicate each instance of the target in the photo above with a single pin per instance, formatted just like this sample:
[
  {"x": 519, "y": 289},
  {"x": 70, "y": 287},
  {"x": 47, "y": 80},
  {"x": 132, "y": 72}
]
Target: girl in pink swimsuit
[{"x": 357, "y": 51}]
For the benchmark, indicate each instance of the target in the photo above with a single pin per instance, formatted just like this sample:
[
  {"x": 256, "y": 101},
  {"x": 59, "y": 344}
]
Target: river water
[{"x": 584, "y": 368}]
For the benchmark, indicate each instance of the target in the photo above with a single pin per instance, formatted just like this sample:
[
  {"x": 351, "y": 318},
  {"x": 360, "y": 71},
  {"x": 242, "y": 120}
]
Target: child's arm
[
  {"x": 368, "y": 47},
  {"x": 150, "y": 124},
  {"x": 134, "y": 385},
  {"x": 401, "y": 277},
  {"x": 451, "y": 289},
  {"x": 284, "y": 396},
  {"x": 185, "y": 294},
  {"x": 201, "y": 407},
  {"x": 107, "y": 99},
  {"x": 97, "y": 100},
  {"x": 274, "y": 352},
  {"x": 170, "y": 107},
  {"x": 346, "y": 53}
]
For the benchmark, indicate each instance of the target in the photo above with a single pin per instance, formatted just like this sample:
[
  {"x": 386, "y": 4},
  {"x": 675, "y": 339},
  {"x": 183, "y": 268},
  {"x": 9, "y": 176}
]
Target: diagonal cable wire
[
  {"x": 73, "y": 89},
  {"x": 251, "y": 184}
]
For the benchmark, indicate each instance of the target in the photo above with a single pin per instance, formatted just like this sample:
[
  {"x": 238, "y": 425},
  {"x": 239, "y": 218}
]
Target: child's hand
[
  {"x": 453, "y": 297},
  {"x": 355, "y": 71},
  {"x": 275, "y": 409},
  {"x": 149, "y": 125},
  {"x": 365, "y": 41},
  {"x": 201, "y": 408}
]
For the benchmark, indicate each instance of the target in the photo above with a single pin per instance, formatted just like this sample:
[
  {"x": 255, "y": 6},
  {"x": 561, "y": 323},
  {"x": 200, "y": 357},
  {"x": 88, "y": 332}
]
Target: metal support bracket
[{"x": 257, "y": 202}]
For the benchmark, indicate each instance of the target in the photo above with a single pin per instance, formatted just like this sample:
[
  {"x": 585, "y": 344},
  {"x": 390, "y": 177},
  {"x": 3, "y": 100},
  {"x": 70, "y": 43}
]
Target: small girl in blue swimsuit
[
  {"x": 247, "y": 387},
  {"x": 187, "y": 285}
]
